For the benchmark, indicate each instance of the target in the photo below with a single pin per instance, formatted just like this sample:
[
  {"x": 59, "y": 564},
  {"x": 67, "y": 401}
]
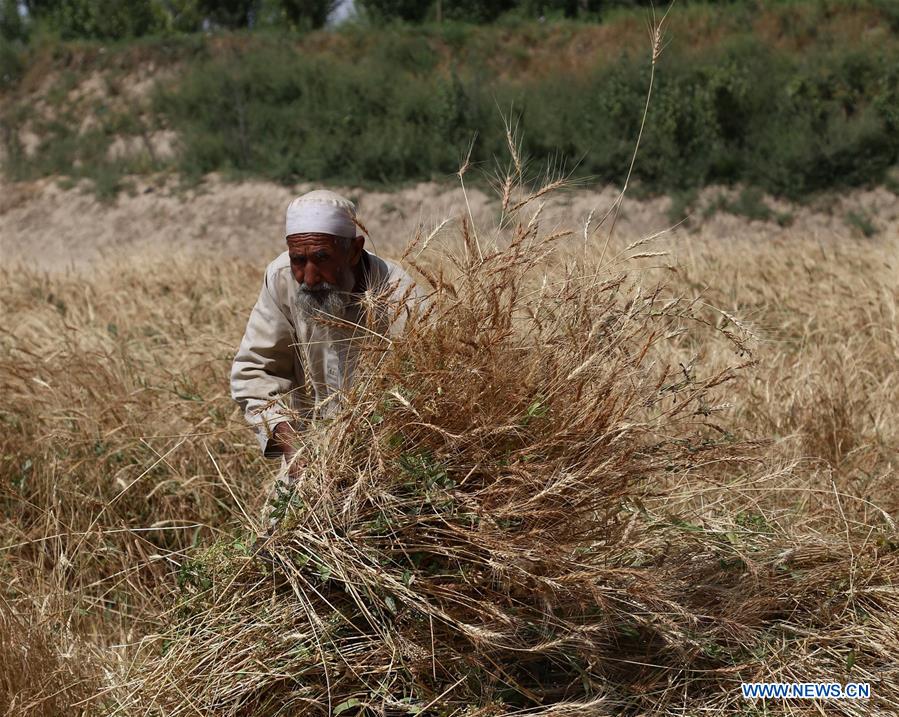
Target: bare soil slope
[{"x": 55, "y": 228}]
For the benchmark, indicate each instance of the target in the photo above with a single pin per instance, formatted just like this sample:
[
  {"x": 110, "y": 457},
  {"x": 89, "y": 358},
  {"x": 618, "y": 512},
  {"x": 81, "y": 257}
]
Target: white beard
[{"x": 326, "y": 299}]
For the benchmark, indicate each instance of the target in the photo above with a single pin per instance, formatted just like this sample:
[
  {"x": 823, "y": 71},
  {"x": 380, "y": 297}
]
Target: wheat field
[{"x": 600, "y": 476}]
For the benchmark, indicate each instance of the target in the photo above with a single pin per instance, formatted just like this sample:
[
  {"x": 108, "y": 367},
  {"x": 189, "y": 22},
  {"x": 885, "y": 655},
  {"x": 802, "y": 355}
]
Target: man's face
[{"x": 324, "y": 268}]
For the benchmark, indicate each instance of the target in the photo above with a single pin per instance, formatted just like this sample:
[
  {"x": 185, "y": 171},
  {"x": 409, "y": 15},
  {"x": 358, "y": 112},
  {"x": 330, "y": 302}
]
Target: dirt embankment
[{"x": 43, "y": 224}]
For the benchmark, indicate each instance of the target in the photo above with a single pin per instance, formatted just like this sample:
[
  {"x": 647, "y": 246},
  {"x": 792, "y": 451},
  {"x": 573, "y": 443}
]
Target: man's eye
[{"x": 298, "y": 259}]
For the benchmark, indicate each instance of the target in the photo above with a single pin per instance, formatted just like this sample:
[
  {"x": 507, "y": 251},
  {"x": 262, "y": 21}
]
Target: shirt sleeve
[{"x": 263, "y": 372}]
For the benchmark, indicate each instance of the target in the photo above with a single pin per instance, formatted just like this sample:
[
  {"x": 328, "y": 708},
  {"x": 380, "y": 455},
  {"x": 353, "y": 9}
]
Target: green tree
[
  {"x": 184, "y": 15},
  {"x": 308, "y": 13},
  {"x": 578, "y": 8},
  {"x": 11, "y": 25},
  {"x": 405, "y": 10},
  {"x": 99, "y": 19},
  {"x": 229, "y": 13},
  {"x": 476, "y": 10}
]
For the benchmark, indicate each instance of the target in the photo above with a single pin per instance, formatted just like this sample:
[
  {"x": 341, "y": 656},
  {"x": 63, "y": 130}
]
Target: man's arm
[{"x": 263, "y": 372}]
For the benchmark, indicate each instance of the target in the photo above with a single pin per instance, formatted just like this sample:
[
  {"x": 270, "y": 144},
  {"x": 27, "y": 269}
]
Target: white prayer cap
[{"x": 321, "y": 212}]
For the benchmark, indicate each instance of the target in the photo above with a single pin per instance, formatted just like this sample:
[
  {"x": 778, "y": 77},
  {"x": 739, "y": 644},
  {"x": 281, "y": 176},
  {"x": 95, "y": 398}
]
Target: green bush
[
  {"x": 746, "y": 113},
  {"x": 100, "y": 19},
  {"x": 11, "y": 64},
  {"x": 743, "y": 113},
  {"x": 289, "y": 116}
]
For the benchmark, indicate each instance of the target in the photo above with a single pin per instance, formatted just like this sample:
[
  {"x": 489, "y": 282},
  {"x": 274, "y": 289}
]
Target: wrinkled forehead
[{"x": 314, "y": 241}]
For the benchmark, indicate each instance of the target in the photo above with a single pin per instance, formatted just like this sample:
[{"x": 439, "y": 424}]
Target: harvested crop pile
[{"x": 485, "y": 527}]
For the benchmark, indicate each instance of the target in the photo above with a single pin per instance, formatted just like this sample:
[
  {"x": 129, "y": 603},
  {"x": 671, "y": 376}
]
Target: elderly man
[{"x": 298, "y": 352}]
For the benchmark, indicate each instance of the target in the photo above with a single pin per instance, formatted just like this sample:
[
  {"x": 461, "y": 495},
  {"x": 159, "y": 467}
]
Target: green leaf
[
  {"x": 348, "y": 705},
  {"x": 412, "y": 708}
]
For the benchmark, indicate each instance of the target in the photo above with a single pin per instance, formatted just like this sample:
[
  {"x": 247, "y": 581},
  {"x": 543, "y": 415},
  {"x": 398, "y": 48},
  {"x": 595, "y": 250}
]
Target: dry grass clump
[
  {"x": 508, "y": 518},
  {"x": 45, "y": 672}
]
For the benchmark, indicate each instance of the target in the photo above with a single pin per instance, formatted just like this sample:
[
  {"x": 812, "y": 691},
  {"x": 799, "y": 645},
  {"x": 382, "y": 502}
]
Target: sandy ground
[{"x": 57, "y": 229}]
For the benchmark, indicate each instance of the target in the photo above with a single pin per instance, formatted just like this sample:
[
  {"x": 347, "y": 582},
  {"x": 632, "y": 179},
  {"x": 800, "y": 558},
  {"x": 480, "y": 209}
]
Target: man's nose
[{"x": 311, "y": 277}]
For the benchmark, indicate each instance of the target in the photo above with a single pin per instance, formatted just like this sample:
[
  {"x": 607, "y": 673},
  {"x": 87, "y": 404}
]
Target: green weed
[{"x": 862, "y": 223}]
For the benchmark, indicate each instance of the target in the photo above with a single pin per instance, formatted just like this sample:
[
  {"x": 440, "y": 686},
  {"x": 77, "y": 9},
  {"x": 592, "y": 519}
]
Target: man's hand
[
  {"x": 285, "y": 441},
  {"x": 283, "y": 437}
]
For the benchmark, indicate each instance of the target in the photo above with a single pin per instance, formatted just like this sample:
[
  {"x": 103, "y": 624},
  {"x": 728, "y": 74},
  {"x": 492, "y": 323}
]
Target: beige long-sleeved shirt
[{"x": 289, "y": 366}]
